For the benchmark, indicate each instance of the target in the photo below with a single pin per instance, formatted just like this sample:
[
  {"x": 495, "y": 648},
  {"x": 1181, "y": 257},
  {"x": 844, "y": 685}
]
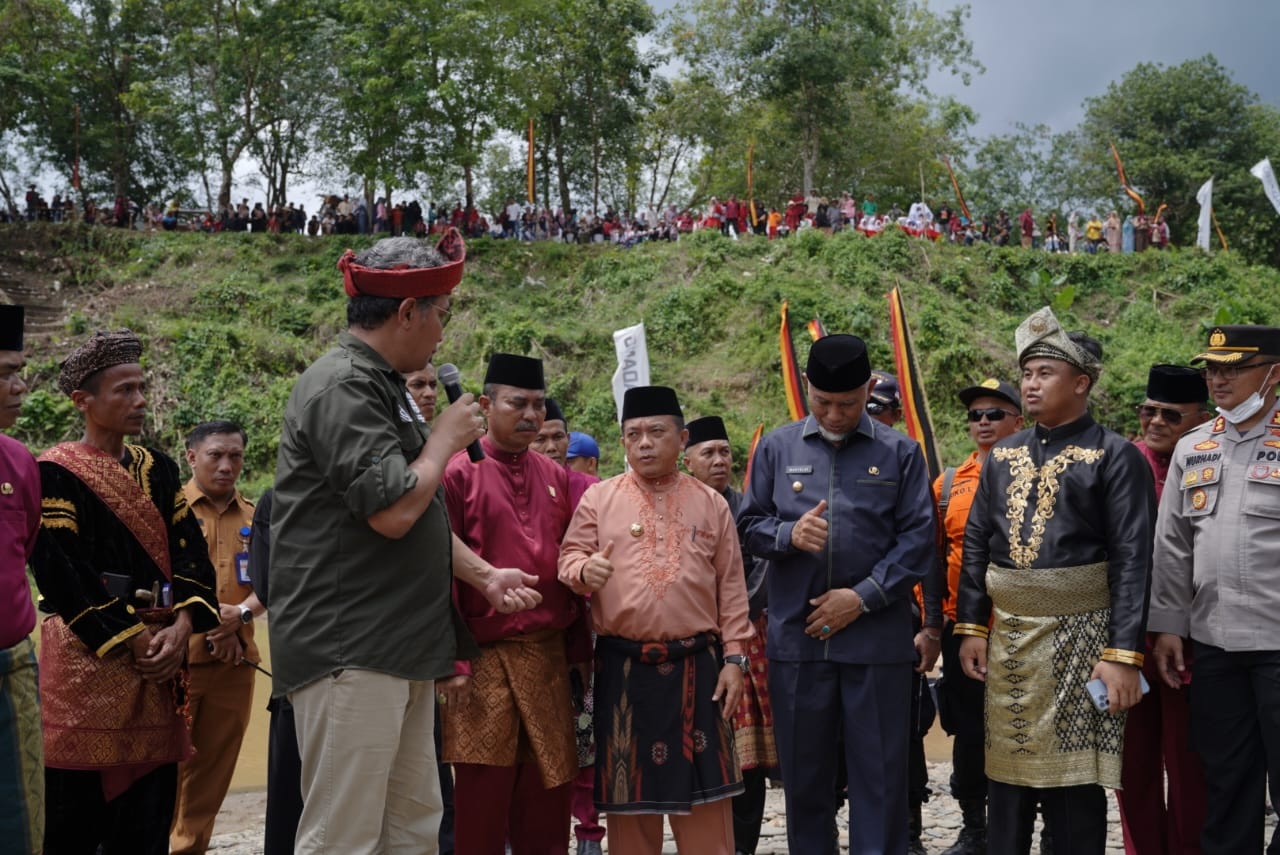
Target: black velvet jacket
[
  {"x": 1061, "y": 497},
  {"x": 80, "y": 539}
]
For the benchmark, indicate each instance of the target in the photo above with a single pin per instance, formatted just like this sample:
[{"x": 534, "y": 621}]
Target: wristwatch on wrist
[
  {"x": 246, "y": 614},
  {"x": 740, "y": 660}
]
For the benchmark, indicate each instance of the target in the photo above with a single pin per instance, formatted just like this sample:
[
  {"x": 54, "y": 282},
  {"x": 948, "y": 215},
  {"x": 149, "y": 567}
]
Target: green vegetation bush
[{"x": 230, "y": 320}]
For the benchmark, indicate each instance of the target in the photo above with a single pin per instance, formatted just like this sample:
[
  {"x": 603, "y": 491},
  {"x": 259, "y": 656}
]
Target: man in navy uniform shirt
[{"x": 841, "y": 506}]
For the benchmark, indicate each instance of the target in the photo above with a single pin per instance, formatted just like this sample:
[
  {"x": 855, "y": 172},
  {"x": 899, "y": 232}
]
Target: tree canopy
[{"x": 161, "y": 98}]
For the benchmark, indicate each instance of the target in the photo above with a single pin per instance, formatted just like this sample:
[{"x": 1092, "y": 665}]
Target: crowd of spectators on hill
[{"x": 733, "y": 217}]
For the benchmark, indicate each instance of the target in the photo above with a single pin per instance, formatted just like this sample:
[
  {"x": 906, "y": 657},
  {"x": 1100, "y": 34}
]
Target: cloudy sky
[{"x": 1044, "y": 58}]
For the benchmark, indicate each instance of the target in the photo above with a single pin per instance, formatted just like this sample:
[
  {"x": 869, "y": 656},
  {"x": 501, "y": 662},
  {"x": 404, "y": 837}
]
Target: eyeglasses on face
[
  {"x": 444, "y": 315},
  {"x": 1171, "y": 417},
  {"x": 1229, "y": 372},
  {"x": 992, "y": 414}
]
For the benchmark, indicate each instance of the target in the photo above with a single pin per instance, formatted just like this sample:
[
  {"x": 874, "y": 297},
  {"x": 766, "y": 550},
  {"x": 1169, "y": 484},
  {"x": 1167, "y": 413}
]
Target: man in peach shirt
[{"x": 659, "y": 553}]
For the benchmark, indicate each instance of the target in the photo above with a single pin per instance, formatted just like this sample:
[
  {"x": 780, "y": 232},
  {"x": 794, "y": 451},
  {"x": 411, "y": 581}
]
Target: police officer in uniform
[{"x": 1217, "y": 582}]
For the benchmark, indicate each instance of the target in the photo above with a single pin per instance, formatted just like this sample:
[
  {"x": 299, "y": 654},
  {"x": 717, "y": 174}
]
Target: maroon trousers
[
  {"x": 1157, "y": 740},
  {"x": 497, "y": 804}
]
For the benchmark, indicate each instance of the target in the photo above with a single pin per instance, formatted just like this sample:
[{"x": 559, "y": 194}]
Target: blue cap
[{"x": 582, "y": 445}]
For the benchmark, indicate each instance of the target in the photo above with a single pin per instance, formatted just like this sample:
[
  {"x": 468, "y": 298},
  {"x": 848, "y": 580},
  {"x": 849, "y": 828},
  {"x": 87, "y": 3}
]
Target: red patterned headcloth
[{"x": 405, "y": 282}]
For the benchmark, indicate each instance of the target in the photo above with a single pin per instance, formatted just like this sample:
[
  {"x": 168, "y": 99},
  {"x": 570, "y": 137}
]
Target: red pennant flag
[
  {"x": 797, "y": 407},
  {"x": 915, "y": 407},
  {"x": 964, "y": 209},
  {"x": 1124, "y": 182}
]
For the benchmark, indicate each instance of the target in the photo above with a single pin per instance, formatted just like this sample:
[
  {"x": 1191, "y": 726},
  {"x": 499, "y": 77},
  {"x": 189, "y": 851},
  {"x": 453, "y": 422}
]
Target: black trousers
[
  {"x": 1077, "y": 815},
  {"x": 960, "y": 709},
  {"x": 79, "y": 822},
  {"x": 748, "y": 810},
  {"x": 1235, "y": 727},
  {"x": 284, "y": 781}
]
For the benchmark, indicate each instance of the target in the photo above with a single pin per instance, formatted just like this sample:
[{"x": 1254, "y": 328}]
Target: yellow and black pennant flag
[{"x": 915, "y": 406}]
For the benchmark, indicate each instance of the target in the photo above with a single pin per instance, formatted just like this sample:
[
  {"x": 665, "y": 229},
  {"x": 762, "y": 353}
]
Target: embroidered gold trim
[
  {"x": 93, "y": 609},
  {"x": 1025, "y": 475},
  {"x": 119, "y": 637},
  {"x": 974, "y": 629}
]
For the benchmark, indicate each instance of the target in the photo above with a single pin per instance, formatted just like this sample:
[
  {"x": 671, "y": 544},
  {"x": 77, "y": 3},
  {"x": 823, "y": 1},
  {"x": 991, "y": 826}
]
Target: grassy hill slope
[{"x": 230, "y": 320}]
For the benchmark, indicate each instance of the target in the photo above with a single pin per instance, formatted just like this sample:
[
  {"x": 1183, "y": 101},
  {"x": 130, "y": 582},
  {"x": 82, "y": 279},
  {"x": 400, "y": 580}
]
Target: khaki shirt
[
  {"x": 222, "y": 533},
  {"x": 342, "y": 595},
  {"x": 1215, "y": 577}
]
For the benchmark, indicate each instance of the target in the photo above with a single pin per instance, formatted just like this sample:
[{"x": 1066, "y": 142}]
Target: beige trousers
[{"x": 369, "y": 782}]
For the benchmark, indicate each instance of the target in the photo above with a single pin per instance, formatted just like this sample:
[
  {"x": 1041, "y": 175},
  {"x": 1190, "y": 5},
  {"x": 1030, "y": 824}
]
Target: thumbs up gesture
[
  {"x": 810, "y": 531},
  {"x": 598, "y": 568}
]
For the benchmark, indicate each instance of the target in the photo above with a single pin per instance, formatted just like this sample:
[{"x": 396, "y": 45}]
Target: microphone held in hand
[{"x": 450, "y": 379}]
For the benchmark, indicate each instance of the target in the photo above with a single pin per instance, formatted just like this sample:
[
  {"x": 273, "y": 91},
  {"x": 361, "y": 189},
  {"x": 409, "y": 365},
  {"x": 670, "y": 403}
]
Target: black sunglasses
[
  {"x": 992, "y": 414},
  {"x": 1171, "y": 417}
]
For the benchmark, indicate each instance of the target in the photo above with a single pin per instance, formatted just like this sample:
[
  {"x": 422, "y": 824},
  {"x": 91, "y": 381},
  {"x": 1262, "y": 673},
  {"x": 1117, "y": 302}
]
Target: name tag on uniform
[
  {"x": 242, "y": 568},
  {"x": 799, "y": 470}
]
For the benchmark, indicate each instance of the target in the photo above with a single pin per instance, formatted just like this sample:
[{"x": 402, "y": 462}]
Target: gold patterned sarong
[
  {"x": 1050, "y": 629},
  {"x": 519, "y": 704}
]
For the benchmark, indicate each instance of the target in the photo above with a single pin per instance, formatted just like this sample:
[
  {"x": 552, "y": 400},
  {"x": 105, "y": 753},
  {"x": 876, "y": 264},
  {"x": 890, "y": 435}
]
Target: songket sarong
[
  {"x": 21, "y": 752},
  {"x": 100, "y": 714},
  {"x": 661, "y": 743},
  {"x": 1050, "y": 630},
  {"x": 753, "y": 721},
  {"x": 519, "y": 709}
]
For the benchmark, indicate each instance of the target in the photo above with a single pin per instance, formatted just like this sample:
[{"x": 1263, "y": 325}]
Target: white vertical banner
[
  {"x": 1205, "y": 197},
  {"x": 1263, "y": 172},
  {"x": 633, "y": 362}
]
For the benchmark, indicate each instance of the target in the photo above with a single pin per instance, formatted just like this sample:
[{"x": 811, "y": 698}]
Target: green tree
[
  {"x": 823, "y": 67},
  {"x": 585, "y": 82},
  {"x": 108, "y": 60},
  {"x": 381, "y": 112},
  {"x": 1176, "y": 126}
]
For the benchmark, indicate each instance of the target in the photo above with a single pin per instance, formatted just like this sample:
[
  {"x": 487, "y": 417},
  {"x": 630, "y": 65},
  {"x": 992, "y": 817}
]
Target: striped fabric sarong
[
  {"x": 21, "y": 752},
  {"x": 662, "y": 745},
  {"x": 753, "y": 722}
]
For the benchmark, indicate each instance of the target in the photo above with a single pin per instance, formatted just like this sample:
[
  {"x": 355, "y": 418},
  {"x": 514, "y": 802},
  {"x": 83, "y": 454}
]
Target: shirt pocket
[
  {"x": 1199, "y": 501},
  {"x": 1262, "y": 496}
]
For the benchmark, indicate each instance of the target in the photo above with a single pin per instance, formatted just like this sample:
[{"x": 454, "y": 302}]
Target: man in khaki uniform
[{"x": 221, "y": 687}]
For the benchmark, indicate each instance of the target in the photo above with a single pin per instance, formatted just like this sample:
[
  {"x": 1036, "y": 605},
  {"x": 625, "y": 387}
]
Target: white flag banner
[
  {"x": 1205, "y": 197},
  {"x": 633, "y": 362},
  {"x": 1263, "y": 172}
]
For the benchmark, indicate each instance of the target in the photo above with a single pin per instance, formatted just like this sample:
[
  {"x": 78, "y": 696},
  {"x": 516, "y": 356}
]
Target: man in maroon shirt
[
  {"x": 1156, "y": 737},
  {"x": 21, "y": 744},
  {"x": 511, "y": 738}
]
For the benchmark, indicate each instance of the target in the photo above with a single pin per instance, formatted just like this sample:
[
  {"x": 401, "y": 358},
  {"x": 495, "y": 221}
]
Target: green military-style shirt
[{"x": 342, "y": 595}]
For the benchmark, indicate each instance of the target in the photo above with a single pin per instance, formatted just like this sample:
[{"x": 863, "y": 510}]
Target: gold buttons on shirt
[
  {"x": 873, "y": 470},
  {"x": 797, "y": 486},
  {"x": 6, "y": 488},
  {"x": 636, "y": 529}
]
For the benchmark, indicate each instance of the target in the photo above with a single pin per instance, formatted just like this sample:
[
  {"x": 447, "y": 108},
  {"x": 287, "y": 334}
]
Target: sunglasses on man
[
  {"x": 991, "y": 414},
  {"x": 1171, "y": 417}
]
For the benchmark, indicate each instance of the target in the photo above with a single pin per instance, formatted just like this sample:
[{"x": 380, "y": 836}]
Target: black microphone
[{"x": 449, "y": 378}]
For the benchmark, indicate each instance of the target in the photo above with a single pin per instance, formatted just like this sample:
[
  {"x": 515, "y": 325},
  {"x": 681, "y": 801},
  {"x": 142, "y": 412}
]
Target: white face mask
[{"x": 1249, "y": 407}]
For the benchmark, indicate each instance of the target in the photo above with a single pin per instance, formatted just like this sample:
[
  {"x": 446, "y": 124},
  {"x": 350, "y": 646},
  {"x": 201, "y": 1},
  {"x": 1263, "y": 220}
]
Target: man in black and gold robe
[
  {"x": 124, "y": 569},
  {"x": 1053, "y": 594}
]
